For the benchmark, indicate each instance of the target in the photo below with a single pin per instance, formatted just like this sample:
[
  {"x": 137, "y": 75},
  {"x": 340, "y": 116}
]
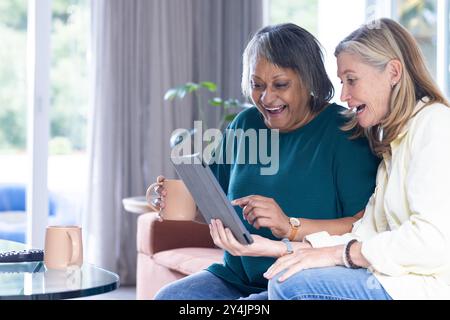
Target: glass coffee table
[{"x": 33, "y": 281}]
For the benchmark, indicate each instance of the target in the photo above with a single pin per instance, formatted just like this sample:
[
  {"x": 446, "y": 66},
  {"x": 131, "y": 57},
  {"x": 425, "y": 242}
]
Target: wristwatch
[
  {"x": 295, "y": 225},
  {"x": 288, "y": 245}
]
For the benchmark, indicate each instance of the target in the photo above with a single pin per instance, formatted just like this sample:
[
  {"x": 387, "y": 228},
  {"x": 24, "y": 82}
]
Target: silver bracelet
[{"x": 288, "y": 244}]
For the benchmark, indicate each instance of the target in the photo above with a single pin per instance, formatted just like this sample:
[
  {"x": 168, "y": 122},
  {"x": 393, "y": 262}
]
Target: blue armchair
[{"x": 13, "y": 211}]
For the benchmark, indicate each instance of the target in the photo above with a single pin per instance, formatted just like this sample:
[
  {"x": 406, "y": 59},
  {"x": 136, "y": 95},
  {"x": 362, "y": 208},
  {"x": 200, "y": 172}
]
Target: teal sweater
[{"x": 322, "y": 175}]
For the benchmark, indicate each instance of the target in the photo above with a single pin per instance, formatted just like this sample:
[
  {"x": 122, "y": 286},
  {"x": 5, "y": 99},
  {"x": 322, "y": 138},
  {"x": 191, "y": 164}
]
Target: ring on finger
[
  {"x": 157, "y": 202},
  {"x": 158, "y": 188}
]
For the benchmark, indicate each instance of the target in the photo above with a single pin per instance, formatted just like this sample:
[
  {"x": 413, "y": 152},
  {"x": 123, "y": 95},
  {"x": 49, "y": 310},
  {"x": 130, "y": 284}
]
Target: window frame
[
  {"x": 443, "y": 35},
  {"x": 38, "y": 104}
]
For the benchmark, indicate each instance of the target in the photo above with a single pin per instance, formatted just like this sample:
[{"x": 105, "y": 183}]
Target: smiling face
[
  {"x": 366, "y": 89},
  {"x": 279, "y": 96}
]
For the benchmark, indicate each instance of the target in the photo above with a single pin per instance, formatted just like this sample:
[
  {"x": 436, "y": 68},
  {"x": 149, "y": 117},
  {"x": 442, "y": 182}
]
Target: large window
[
  {"x": 13, "y": 118},
  {"x": 331, "y": 21},
  {"x": 67, "y": 163},
  {"x": 301, "y": 12},
  {"x": 419, "y": 17},
  {"x": 13, "y": 29}
]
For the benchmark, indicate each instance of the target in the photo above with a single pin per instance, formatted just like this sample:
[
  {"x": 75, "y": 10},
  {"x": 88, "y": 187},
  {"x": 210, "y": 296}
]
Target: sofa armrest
[{"x": 154, "y": 236}]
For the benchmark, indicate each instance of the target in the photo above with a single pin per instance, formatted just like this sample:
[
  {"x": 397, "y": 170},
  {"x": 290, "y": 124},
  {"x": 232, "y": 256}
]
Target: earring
[
  {"x": 380, "y": 133},
  {"x": 393, "y": 85}
]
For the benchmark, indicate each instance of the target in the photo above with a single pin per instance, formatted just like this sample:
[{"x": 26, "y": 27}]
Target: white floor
[{"x": 123, "y": 293}]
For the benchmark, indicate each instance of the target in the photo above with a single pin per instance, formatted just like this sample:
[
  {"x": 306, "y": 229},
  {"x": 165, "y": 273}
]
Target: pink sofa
[{"x": 170, "y": 250}]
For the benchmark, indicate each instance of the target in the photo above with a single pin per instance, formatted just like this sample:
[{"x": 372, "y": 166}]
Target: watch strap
[{"x": 293, "y": 232}]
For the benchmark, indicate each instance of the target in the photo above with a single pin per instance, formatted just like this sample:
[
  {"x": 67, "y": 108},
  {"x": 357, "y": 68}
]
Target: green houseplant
[{"x": 231, "y": 106}]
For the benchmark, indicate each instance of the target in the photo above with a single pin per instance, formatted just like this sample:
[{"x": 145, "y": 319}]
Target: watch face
[{"x": 294, "y": 222}]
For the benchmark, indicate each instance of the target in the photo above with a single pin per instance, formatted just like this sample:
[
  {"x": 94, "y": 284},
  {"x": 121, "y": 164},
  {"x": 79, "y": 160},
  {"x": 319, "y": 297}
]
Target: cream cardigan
[{"x": 405, "y": 231}]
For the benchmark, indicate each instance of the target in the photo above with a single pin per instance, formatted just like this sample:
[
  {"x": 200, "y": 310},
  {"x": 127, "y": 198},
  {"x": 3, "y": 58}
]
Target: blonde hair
[{"x": 377, "y": 43}]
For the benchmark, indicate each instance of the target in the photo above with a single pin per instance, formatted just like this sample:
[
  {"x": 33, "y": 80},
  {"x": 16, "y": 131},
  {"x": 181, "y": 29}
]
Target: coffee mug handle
[{"x": 75, "y": 246}]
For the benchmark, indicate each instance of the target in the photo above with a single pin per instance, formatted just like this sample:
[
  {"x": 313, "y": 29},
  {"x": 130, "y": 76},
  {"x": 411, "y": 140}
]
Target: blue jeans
[
  {"x": 334, "y": 283},
  {"x": 204, "y": 286}
]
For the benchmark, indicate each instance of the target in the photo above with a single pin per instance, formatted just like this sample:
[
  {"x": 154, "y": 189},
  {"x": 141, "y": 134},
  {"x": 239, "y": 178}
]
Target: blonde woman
[{"x": 400, "y": 249}]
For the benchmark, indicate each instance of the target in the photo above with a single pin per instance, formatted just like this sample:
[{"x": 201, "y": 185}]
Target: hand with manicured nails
[
  {"x": 305, "y": 258},
  {"x": 261, "y": 247},
  {"x": 224, "y": 239},
  {"x": 261, "y": 212}
]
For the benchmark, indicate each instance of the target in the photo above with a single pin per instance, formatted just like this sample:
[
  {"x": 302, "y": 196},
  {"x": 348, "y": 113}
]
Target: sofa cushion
[
  {"x": 188, "y": 260},
  {"x": 154, "y": 236}
]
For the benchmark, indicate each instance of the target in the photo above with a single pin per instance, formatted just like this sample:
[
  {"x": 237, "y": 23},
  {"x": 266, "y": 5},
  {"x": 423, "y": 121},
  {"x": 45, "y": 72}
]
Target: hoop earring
[{"x": 380, "y": 133}]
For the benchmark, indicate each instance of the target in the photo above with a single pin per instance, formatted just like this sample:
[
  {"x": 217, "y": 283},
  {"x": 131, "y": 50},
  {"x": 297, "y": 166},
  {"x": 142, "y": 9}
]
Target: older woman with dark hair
[
  {"x": 400, "y": 249},
  {"x": 317, "y": 186}
]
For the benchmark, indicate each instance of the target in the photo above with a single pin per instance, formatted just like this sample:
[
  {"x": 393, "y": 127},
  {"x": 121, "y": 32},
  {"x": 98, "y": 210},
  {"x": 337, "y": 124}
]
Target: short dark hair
[{"x": 290, "y": 46}]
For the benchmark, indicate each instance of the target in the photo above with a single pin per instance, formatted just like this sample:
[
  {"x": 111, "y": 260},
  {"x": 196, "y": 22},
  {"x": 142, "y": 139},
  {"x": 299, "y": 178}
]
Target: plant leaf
[
  {"x": 211, "y": 86},
  {"x": 191, "y": 87},
  {"x": 216, "y": 102},
  {"x": 230, "y": 117},
  {"x": 230, "y": 103},
  {"x": 181, "y": 92},
  {"x": 171, "y": 94}
]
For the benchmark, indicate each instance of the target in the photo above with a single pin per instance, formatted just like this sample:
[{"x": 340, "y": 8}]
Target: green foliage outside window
[
  {"x": 301, "y": 12},
  {"x": 13, "y": 25},
  {"x": 69, "y": 79},
  {"x": 419, "y": 17}
]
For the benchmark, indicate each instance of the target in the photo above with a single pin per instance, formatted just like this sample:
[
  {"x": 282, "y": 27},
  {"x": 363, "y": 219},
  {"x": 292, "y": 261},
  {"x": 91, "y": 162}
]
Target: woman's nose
[
  {"x": 268, "y": 96},
  {"x": 345, "y": 95}
]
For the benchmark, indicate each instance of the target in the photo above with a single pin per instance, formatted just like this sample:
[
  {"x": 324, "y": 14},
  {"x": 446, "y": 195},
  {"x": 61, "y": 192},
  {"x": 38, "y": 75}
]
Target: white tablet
[{"x": 209, "y": 196}]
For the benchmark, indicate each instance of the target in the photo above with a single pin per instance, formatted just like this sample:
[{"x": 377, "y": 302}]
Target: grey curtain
[
  {"x": 222, "y": 29},
  {"x": 140, "y": 48}
]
